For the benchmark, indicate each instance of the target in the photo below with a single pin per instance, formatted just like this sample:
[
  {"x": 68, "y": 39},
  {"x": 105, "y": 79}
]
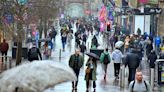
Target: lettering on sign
[
  {"x": 152, "y": 11},
  {"x": 158, "y": 10}
]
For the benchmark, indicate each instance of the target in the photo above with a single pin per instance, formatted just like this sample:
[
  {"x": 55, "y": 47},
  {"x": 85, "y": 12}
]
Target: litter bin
[{"x": 160, "y": 70}]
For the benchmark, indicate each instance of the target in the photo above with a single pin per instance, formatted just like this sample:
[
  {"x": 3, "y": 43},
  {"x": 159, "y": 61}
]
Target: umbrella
[
  {"x": 36, "y": 76},
  {"x": 90, "y": 54},
  {"x": 119, "y": 44}
]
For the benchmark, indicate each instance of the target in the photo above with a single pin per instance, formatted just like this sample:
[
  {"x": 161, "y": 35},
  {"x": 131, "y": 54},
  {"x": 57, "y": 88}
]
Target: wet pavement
[{"x": 110, "y": 85}]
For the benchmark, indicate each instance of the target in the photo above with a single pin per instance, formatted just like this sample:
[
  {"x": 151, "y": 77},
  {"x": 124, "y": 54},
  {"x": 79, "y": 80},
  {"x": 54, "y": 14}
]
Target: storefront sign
[
  {"x": 152, "y": 10},
  {"x": 148, "y": 11}
]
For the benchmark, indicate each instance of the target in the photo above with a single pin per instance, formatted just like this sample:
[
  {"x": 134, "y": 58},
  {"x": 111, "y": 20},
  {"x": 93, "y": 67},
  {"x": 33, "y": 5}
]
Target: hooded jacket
[{"x": 117, "y": 56}]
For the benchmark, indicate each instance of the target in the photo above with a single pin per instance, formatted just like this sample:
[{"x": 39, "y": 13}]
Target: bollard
[
  {"x": 10, "y": 62},
  {"x": 122, "y": 76},
  {"x": 88, "y": 45},
  {"x": 4, "y": 62},
  {"x": 152, "y": 77},
  {"x": 60, "y": 55}
]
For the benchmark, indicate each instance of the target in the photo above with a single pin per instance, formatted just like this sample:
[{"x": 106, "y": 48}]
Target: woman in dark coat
[
  {"x": 91, "y": 73},
  {"x": 94, "y": 43}
]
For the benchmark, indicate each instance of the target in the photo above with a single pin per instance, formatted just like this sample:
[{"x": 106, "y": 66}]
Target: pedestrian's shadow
[
  {"x": 116, "y": 82},
  {"x": 104, "y": 82},
  {"x": 73, "y": 90}
]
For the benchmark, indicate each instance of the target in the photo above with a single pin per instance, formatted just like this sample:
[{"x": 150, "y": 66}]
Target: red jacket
[{"x": 4, "y": 47}]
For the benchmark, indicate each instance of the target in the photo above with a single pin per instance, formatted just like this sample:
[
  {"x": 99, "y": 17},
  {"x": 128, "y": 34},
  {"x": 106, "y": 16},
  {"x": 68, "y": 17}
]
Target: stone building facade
[{"x": 160, "y": 25}]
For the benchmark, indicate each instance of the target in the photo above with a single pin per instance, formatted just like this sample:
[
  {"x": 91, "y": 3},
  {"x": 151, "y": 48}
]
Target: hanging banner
[{"x": 103, "y": 14}]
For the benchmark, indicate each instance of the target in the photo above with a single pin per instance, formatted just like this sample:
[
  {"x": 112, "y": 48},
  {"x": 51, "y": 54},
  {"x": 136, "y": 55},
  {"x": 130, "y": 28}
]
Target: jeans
[
  {"x": 63, "y": 45},
  {"x": 77, "y": 71},
  {"x": 132, "y": 72}
]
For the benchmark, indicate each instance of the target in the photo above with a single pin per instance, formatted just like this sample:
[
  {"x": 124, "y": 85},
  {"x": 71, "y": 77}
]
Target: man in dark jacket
[
  {"x": 133, "y": 61},
  {"x": 4, "y": 48},
  {"x": 152, "y": 58},
  {"x": 76, "y": 62},
  {"x": 34, "y": 53}
]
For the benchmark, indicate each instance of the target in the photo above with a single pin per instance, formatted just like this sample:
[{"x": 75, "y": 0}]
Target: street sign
[{"x": 148, "y": 11}]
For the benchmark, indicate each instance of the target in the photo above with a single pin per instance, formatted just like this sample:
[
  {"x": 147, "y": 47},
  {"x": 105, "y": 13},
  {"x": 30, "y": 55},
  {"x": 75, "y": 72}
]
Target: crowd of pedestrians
[{"x": 130, "y": 54}]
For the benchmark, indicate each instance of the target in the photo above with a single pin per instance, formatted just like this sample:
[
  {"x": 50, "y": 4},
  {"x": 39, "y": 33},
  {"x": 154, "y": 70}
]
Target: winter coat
[
  {"x": 103, "y": 55},
  {"x": 132, "y": 60},
  {"x": 32, "y": 56},
  {"x": 117, "y": 56},
  {"x": 152, "y": 58},
  {"x": 149, "y": 47},
  {"x": 4, "y": 47},
  {"x": 94, "y": 42},
  {"x": 94, "y": 78},
  {"x": 72, "y": 61},
  {"x": 83, "y": 48}
]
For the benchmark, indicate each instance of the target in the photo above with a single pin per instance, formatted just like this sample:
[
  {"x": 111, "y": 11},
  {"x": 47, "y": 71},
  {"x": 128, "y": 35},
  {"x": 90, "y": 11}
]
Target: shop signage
[{"x": 147, "y": 11}]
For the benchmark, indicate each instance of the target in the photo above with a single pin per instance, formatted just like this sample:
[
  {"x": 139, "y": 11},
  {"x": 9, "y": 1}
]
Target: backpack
[
  {"x": 106, "y": 60},
  {"x": 144, "y": 83},
  {"x": 33, "y": 53}
]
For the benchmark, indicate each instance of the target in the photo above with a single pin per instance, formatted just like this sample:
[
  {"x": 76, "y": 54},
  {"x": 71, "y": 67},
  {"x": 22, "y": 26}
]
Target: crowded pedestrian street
[{"x": 81, "y": 45}]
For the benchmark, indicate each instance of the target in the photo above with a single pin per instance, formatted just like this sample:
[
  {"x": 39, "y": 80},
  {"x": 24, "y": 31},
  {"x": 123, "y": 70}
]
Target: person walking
[
  {"x": 117, "y": 59},
  {"x": 64, "y": 39},
  {"x": 139, "y": 84},
  {"x": 132, "y": 60},
  {"x": 152, "y": 59},
  {"x": 34, "y": 53},
  {"x": 127, "y": 43},
  {"x": 90, "y": 74},
  {"x": 4, "y": 46},
  {"x": 105, "y": 60},
  {"x": 94, "y": 43},
  {"x": 76, "y": 62},
  {"x": 149, "y": 46},
  {"x": 83, "y": 48}
]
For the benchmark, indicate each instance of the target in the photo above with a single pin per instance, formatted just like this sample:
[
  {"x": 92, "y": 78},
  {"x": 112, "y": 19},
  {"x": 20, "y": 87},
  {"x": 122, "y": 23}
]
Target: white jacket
[{"x": 117, "y": 56}]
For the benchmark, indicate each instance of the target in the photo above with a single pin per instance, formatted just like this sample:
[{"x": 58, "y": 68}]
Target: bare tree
[{"x": 37, "y": 10}]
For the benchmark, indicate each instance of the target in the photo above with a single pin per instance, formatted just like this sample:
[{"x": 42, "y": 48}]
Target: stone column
[{"x": 160, "y": 26}]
